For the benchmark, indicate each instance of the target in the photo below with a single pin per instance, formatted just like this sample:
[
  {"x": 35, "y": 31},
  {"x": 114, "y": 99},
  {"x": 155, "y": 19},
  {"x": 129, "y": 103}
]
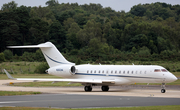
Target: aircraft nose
[{"x": 173, "y": 78}]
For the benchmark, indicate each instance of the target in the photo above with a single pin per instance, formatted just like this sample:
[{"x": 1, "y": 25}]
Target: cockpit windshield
[
  {"x": 157, "y": 70},
  {"x": 164, "y": 70},
  {"x": 160, "y": 70}
]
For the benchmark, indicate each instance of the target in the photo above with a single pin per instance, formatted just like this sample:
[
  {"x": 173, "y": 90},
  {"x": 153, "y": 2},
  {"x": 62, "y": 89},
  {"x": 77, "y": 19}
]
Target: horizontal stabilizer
[{"x": 31, "y": 46}]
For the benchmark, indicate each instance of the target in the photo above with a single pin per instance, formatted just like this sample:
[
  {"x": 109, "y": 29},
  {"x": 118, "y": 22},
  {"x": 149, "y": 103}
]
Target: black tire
[
  {"x": 163, "y": 90},
  {"x": 87, "y": 88},
  {"x": 105, "y": 88}
]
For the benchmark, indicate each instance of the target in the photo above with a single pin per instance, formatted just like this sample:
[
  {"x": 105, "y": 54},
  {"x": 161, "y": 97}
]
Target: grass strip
[
  {"x": 4, "y": 76},
  {"x": 10, "y": 93},
  {"x": 46, "y": 84}
]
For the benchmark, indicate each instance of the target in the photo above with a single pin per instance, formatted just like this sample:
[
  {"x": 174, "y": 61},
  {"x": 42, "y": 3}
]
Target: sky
[{"x": 117, "y": 5}]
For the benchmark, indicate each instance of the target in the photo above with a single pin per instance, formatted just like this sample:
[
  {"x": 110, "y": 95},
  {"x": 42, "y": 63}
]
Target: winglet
[{"x": 8, "y": 75}]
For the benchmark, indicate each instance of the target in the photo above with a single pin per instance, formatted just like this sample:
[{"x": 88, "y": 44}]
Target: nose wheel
[{"x": 163, "y": 90}]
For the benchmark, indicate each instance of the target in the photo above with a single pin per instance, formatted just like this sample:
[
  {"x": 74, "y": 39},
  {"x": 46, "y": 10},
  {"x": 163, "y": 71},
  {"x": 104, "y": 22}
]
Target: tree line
[{"x": 92, "y": 32}]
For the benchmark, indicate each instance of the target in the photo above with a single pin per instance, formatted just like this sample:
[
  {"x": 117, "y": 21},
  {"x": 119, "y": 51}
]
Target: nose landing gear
[{"x": 163, "y": 90}]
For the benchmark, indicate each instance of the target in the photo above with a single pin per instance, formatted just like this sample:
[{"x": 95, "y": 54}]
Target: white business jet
[{"x": 98, "y": 75}]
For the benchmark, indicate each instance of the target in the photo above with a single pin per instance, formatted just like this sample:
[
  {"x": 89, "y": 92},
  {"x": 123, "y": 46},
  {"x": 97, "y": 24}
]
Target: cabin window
[
  {"x": 164, "y": 70},
  {"x": 136, "y": 72},
  {"x": 140, "y": 72},
  {"x": 95, "y": 71},
  {"x": 102, "y": 71},
  {"x": 145, "y": 72},
  {"x": 87, "y": 71},
  {"x": 119, "y": 72},
  {"x": 99, "y": 71},
  {"x": 128, "y": 72},
  {"x": 157, "y": 70},
  {"x": 124, "y": 72},
  {"x": 111, "y": 71},
  {"x": 115, "y": 72},
  {"x": 106, "y": 71},
  {"x": 91, "y": 71},
  {"x": 132, "y": 72}
]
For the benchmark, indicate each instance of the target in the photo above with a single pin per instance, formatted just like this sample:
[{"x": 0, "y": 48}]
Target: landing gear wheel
[
  {"x": 163, "y": 90},
  {"x": 104, "y": 88},
  {"x": 88, "y": 88}
]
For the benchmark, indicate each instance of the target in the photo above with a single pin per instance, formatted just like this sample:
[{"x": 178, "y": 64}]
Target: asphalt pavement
[{"x": 83, "y": 101}]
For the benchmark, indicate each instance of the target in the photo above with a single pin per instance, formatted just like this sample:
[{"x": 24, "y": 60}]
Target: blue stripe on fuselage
[
  {"x": 116, "y": 75},
  {"x": 91, "y": 74}
]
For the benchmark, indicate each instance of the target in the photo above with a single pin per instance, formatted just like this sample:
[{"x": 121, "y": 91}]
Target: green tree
[
  {"x": 9, "y": 6},
  {"x": 57, "y": 35},
  {"x": 138, "y": 10},
  {"x": 91, "y": 30},
  {"x": 38, "y": 30},
  {"x": 161, "y": 44},
  {"x": 67, "y": 23},
  {"x": 95, "y": 48},
  {"x": 8, "y": 54},
  {"x": 134, "y": 50},
  {"x": 72, "y": 35},
  {"x": 152, "y": 47},
  {"x": 52, "y": 3},
  {"x": 43, "y": 13}
]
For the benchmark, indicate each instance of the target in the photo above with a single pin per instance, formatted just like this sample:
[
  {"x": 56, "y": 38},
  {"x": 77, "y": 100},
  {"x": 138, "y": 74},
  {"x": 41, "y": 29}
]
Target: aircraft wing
[{"x": 99, "y": 81}]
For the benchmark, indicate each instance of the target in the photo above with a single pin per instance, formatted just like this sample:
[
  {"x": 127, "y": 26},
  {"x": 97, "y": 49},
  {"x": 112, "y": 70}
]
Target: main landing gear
[
  {"x": 163, "y": 90},
  {"x": 105, "y": 88},
  {"x": 89, "y": 88}
]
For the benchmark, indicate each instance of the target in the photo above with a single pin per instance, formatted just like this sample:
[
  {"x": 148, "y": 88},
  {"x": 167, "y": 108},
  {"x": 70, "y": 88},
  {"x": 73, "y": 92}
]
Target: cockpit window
[
  {"x": 164, "y": 70},
  {"x": 157, "y": 70}
]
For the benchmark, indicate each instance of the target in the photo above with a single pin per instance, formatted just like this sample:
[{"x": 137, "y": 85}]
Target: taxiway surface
[
  {"x": 83, "y": 101},
  {"x": 75, "y": 97}
]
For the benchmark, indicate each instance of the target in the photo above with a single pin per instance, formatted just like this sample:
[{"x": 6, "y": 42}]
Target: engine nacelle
[{"x": 62, "y": 71}]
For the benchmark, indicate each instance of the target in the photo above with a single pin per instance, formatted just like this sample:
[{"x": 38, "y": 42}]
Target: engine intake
[{"x": 73, "y": 70}]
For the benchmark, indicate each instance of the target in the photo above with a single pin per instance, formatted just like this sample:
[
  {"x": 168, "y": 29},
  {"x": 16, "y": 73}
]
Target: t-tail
[{"x": 50, "y": 52}]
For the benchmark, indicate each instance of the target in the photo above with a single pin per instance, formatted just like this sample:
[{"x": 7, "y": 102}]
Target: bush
[
  {"x": 8, "y": 54},
  {"x": 144, "y": 51},
  {"x": 41, "y": 68},
  {"x": 2, "y": 58},
  {"x": 178, "y": 70},
  {"x": 28, "y": 56},
  {"x": 39, "y": 56},
  {"x": 78, "y": 61}
]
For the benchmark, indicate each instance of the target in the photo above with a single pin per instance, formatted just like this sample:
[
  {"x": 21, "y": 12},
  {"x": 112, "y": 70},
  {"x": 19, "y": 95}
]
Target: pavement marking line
[
  {"x": 13, "y": 102},
  {"x": 6, "y": 106}
]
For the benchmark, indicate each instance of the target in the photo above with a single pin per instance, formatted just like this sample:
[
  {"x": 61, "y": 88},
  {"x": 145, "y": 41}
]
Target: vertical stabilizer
[{"x": 50, "y": 52}]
